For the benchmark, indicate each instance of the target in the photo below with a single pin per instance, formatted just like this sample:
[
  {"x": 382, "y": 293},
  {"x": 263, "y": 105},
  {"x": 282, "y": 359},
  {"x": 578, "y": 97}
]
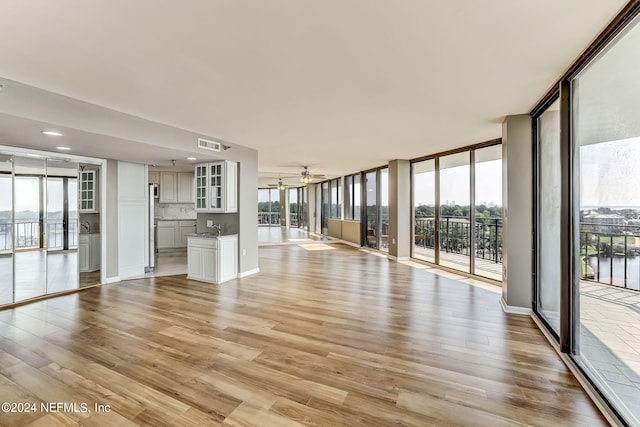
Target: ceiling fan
[
  {"x": 307, "y": 177},
  {"x": 281, "y": 185}
]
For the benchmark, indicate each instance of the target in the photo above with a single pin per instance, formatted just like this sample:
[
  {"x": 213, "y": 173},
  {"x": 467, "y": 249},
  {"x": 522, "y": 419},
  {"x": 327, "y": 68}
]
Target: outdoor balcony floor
[
  {"x": 484, "y": 267},
  {"x": 610, "y": 338}
]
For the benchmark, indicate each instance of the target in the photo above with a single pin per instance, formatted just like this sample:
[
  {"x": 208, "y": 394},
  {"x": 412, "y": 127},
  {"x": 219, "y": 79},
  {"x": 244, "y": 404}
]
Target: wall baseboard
[
  {"x": 513, "y": 309},
  {"x": 114, "y": 279},
  {"x": 248, "y": 273}
]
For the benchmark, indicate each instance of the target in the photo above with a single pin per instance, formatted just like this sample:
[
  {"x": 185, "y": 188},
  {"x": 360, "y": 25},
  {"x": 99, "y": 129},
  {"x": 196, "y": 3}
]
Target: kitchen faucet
[
  {"x": 219, "y": 228},
  {"x": 86, "y": 226}
]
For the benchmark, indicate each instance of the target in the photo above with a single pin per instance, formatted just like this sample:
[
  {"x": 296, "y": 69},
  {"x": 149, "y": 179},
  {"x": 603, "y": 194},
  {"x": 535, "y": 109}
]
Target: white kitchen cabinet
[
  {"x": 89, "y": 252},
  {"x": 168, "y": 187},
  {"x": 88, "y": 192},
  {"x": 176, "y": 187},
  {"x": 166, "y": 234},
  {"x": 216, "y": 187},
  {"x": 212, "y": 259},
  {"x": 173, "y": 234},
  {"x": 185, "y": 187},
  {"x": 183, "y": 229}
]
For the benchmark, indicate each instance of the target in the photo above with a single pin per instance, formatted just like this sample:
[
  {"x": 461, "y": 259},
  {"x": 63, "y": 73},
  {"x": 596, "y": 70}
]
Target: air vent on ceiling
[{"x": 209, "y": 145}]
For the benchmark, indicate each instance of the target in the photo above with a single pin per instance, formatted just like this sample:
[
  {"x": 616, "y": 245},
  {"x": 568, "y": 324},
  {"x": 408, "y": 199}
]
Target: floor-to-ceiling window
[
  {"x": 446, "y": 231},
  {"x": 6, "y": 229},
  {"x": 269, "y": 206},
  {"x": 326, "y": 207},
  {"x": 294, "y": 208},
  {"x": 455, "y": 226},
  {"x": 605, "y": 112},
  {"x": 487, "y": 174},
  {"x": 371, "y": 206},
  {"x": 424, "y": 210},
  {"x": 336, "y": 196},
  {"x": 547, "y": 295},
  {"x": 303, "y": 203},
  {"x": 383, "y": 206},
  {"x": 352, "y": 197}
]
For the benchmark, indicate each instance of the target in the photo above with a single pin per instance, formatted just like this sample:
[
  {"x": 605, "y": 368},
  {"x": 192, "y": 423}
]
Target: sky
[{"x": 454, "y": 185}]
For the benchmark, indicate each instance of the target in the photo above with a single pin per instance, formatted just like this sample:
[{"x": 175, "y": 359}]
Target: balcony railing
[
  {"x": 455, "y": 236},
  {"x": 610, "y": 254},
  {"x": 268, "y": 218},
  {"x": 28, "y": 235}
]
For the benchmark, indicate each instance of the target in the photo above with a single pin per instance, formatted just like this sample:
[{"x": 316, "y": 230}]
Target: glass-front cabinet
[
  {"x": 216, "y": 187},
  {"x": 200, "y": 183},
  {"x": 88, "y": 191}
]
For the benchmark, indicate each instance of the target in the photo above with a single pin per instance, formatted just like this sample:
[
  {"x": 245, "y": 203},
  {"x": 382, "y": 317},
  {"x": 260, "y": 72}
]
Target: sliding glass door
[
  {"x": 371, "y": 206},
  {"x": 455, "y": 225},
  {"x": 38, "y": 227},
  {"x": 606, "y": 151},
  {"x": 457, "y": 210},
  {"x": 269, "y": 206},
  {"x": 488, "y": 212},
  {"x": 587, "y": 288},
  {"x": 62, "y": 226},
  {"x": 30, "y": 264},
  {"x": 424, "y": 210},
  {"x": 6, "y": 229},
  {"x": 547, "y": 296}
]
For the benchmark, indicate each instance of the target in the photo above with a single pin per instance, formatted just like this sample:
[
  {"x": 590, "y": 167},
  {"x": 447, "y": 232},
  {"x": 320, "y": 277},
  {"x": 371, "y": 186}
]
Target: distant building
[{"x": 603, "y": 223}]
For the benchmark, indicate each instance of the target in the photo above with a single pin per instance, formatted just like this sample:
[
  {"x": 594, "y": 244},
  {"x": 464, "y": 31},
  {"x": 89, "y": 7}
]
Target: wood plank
[{"x": 336, "y": 337}]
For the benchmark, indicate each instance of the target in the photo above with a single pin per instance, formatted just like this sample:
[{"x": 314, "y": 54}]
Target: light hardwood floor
[{"x": 325, "y": 335}]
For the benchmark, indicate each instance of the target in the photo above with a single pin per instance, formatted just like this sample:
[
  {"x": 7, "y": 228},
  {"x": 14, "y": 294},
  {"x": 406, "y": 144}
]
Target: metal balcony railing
[
  {"x": 455, "y": 236},
  {"x": 27, "y": 235},
  {"x": 610, "y": 254},
  {"x": 268, "y": 218}
]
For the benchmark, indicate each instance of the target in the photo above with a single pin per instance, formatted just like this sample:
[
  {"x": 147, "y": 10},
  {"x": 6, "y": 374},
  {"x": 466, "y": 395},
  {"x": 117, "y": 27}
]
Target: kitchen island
[{"x": 212, "y": 258}]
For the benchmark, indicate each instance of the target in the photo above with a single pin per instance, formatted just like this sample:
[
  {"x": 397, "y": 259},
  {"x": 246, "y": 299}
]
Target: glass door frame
[{"x": 535, "y": 303}]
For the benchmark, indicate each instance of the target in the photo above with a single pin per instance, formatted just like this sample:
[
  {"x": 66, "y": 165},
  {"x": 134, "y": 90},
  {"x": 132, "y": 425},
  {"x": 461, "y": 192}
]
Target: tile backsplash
[{"x": 174, "y": 211}]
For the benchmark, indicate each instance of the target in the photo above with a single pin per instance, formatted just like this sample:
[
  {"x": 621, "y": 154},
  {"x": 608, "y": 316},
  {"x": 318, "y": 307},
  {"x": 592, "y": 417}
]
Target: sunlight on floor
[
  {"x": 415, "y": 265},
  {"x": 316, "y": 247}
]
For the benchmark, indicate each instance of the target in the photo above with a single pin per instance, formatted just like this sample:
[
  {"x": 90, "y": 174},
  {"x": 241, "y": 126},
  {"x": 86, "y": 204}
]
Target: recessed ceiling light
[
  {"x": 63, "y": 148},
  {"x": 51, "y": 133},
  {"x": 191, "y": 158}
]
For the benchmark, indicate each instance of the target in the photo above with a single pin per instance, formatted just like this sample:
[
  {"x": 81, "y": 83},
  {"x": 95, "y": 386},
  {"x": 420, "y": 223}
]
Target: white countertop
[{"x": 211, "y": 235}]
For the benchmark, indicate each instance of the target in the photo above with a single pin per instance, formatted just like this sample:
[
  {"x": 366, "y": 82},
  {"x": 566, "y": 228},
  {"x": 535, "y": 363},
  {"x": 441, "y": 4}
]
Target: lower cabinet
[
  {"x": 212, "y": 259},
  {"x": 89, "y": 252},
  {"x": 173, "y": 234}
]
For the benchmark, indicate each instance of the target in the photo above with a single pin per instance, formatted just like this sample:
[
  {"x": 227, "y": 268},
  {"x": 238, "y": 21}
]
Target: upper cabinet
[
  {"x": 88, "y": 191},
  {"x": 185, "y": 187},
  {"x": 216, "y": 187},
  {"x": 176, "y": 187}
]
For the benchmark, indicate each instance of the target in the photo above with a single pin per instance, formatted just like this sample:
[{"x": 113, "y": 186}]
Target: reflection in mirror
[
  {"x": 62, "y": 226},
  {"x": 89, "y": 242},
  {"x": 30, "y": 248},
  {"x": 6, "y": 227}
]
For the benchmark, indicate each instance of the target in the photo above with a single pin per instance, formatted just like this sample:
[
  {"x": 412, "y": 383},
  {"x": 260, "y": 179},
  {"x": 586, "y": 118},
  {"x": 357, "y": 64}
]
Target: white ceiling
[{"x": 338, "y": 85}]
